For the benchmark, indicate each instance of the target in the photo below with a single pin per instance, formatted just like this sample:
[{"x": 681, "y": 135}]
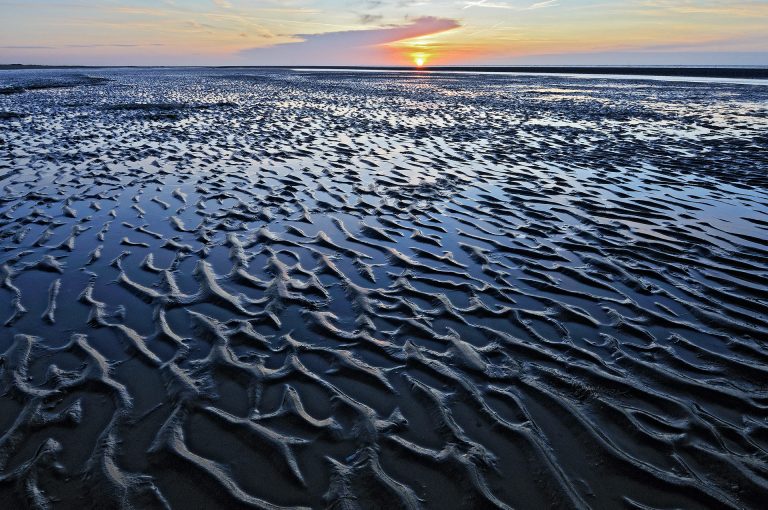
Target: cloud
[
  {"x": 112, "y": 45},
  {"x": 352, "y": 47},
  {"x": 368, "y": 19},
  {"x": 734, "y": 9},
  {"x": 638, "y": 58},
  {"x": 543, "y": 5},
  {"x": 504, "y": 5},
  {"x": 26, "y": 47},
  {"x": 115, "y": 45}
]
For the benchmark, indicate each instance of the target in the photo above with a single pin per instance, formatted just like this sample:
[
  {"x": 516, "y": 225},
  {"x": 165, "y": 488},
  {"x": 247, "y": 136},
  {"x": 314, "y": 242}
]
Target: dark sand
[{"x": 244, "y": 288}]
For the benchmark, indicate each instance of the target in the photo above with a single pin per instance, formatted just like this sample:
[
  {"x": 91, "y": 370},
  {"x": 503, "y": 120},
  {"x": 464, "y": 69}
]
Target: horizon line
[{"x": 682, "y": 70}]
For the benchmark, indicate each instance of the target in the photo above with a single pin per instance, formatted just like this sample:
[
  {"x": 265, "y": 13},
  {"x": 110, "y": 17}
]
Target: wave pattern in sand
[{"x": 283, "y": 289}]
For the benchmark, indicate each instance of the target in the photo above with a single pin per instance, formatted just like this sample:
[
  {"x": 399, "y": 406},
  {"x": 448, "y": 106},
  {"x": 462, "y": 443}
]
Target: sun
[{"x": 419, "y": 61}]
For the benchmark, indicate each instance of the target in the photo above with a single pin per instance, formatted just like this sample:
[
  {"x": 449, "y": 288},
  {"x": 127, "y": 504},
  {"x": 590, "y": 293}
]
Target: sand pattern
[{"x": 276, "y": 289}]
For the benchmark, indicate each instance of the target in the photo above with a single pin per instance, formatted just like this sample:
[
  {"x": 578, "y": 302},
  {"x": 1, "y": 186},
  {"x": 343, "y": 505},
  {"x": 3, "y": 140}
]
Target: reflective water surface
[{"x": 252, "y": 288}]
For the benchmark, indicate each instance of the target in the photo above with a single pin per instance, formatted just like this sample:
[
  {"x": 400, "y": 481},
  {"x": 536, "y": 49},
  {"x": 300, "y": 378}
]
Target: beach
[{"x": 284, "y": 288}]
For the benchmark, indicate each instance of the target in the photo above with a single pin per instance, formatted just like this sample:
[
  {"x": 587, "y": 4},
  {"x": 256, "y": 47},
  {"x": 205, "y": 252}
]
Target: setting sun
[{"x": 419, "y": 61}]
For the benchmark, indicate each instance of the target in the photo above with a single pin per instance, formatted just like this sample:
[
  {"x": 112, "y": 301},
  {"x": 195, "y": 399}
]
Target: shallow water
[{"x": 226, "y": 288}]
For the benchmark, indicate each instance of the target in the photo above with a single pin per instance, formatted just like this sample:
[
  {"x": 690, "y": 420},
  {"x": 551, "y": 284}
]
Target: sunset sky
[{"x": 384, "y": 32}]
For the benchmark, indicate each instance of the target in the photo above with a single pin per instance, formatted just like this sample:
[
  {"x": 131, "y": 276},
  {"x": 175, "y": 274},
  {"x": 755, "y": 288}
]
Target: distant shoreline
[
  {"x": 693, "y": 72},
  {"x": 757, "y": 72}
]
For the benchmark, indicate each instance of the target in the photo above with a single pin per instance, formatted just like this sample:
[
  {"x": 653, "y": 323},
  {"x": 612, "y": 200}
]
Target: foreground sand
[{"x": 277, "y": 289}]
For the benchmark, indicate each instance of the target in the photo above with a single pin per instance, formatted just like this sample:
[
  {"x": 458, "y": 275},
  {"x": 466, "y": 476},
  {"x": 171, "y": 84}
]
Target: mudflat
[{"x": 225, "y": 288}]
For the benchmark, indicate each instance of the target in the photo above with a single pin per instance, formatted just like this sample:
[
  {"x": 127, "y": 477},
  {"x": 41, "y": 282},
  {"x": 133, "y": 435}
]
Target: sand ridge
[{"x": 272, "y": 289}]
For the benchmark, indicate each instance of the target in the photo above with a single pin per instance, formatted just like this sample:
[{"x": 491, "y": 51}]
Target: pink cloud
[{"x": 353, "y": 47}]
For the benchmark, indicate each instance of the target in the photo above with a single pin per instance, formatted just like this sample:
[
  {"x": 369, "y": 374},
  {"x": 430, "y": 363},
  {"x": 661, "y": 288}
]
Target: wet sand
[{"x": 278, "y": 289}]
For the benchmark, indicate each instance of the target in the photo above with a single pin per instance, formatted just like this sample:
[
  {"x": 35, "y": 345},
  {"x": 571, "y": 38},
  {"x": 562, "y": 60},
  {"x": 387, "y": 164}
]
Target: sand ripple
[{"x": 281, "y": 290}]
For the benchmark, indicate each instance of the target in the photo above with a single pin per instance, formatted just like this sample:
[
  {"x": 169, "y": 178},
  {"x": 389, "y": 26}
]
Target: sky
[{"x": 384, "y": 32}]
